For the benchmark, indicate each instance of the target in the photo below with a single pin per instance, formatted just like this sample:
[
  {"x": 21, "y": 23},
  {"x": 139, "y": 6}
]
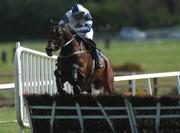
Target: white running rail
[
  {"x": 148, "y": 78},
  {"x": 6, "y": 86}
]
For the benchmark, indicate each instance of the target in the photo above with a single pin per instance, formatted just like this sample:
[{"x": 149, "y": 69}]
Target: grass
[
  {"x": 9, "y": 48},
  {"x": 8, "y": 114},
  {"x": 7, "y": 121},
  {"x": 153, "y": 56},
  {"x": 7, "y": 67},
  {"x": 7, "y": 94}
]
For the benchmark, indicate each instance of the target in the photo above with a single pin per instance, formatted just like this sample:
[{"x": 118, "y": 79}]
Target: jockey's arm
[{"x": 85, "y": 27}]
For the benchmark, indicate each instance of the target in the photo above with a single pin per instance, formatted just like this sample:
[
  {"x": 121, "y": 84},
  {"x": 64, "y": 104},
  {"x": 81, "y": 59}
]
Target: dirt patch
[{"x": 5, "y": 102}]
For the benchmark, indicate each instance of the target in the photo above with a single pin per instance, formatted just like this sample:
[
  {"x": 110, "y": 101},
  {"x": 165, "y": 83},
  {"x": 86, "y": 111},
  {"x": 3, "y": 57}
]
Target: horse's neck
[
  {"x": 68, "y": 35},
  {"x": 73, "y": 47}
]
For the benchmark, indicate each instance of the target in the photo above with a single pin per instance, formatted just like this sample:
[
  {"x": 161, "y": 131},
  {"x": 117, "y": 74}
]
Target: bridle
[{"x": 57, "y": 45}]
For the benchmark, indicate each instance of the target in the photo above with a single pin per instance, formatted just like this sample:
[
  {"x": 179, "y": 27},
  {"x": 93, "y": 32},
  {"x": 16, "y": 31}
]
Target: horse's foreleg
[
  {"x": 59, "y": 82},
  {"x": 76, "y": 88}
]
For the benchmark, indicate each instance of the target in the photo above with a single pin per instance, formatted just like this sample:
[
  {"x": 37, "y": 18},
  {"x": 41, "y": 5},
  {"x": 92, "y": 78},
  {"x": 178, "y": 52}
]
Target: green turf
[
  {"x": 152, "y": 56},
  {"x": 6, "y": 94},
  {"x": 7, "y": 121}
]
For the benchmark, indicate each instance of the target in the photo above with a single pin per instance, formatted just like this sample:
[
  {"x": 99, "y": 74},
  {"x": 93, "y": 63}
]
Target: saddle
[
  {"x": 91, "y": 46},
  {"x": 88, "y": 43}
]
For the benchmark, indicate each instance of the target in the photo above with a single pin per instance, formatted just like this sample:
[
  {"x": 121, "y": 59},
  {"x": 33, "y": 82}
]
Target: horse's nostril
[
  {"x": 49, "y": 54},
  {"x": 49, "y": 51}
]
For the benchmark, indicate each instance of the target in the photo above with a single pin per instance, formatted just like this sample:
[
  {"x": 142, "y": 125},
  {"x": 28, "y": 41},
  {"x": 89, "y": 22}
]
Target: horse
[{"x": 76, "y": 64}]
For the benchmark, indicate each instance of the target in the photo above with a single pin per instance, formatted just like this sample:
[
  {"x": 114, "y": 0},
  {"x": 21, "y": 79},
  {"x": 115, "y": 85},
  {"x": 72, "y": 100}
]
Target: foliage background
[{"x": 21, "y": 19}]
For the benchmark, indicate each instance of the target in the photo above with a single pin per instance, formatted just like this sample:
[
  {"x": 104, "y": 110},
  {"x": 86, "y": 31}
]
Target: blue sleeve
[
  {"x": 88, "y": 17},
  {"x": 64, "y": 20}
]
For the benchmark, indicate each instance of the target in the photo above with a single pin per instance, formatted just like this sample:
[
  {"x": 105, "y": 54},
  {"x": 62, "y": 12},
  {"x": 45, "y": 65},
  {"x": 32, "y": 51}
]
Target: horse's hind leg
[
  {"x": 108, "y": 83},
  {"x": 59, "y": 82},
  {"x": 109, "y": 88}
]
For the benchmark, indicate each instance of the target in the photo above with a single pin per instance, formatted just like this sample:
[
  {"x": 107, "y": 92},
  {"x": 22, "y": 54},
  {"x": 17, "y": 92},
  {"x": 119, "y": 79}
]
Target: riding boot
[{"x": 99, "y": 62}]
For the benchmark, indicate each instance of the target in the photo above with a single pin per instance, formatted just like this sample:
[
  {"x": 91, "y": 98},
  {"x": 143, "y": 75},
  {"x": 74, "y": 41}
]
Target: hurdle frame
[
  {"x": 131, "y": 113},
  {"x": 25, "y": 82}
]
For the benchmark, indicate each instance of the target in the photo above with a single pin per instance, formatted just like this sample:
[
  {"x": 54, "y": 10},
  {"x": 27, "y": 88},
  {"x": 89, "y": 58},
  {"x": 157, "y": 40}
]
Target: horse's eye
[{"x": 60, "y": 32}]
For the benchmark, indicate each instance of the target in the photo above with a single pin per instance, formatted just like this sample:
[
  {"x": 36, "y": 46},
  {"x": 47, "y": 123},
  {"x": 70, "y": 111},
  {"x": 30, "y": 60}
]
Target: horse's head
[{"x": 56, "y": 39}]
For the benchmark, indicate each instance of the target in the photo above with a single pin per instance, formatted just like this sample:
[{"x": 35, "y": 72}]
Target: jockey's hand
[
  {"x": 73, "y": 32},
  {"x": 66, "y": 27}
]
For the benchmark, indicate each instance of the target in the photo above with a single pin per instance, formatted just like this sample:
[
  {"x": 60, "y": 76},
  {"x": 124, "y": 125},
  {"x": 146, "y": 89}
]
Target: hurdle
[
  {"x": 34, "y": 74},
  {"x": 85, "y": 114},
  {"x": 35, "y": 81}
]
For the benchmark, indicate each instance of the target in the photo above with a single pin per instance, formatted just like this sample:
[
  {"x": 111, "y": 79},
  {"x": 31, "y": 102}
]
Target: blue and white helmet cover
[{"x": 78, "y": 8}]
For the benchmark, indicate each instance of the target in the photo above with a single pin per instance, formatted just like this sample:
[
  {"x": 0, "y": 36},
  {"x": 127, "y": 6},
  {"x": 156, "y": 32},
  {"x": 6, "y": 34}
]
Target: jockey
[{"x": 79, "y": 20}]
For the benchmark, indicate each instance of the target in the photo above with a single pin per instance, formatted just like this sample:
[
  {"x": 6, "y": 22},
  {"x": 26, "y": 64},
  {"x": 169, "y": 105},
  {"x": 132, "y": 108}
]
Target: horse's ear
[
  {"x": 66, "y": 27},
  {"x": 63, "y": 29},
  {"x": 53, "y": 23}
]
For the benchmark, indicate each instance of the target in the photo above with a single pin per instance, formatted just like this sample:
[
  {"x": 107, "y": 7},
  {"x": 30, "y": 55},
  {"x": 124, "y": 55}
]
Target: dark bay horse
[{"x": 76, "y": 65}]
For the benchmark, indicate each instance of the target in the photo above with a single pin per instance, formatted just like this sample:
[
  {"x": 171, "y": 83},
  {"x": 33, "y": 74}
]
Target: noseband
[{"x": 57, "y": 45}]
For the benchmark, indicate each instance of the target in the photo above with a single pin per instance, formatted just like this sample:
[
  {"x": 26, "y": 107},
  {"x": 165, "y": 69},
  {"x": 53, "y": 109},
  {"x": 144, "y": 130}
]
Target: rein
[
  {"x": 75, "y": 53},
  {"x": 64, "y": 45},
  {"x": 67, "y": 43}
]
